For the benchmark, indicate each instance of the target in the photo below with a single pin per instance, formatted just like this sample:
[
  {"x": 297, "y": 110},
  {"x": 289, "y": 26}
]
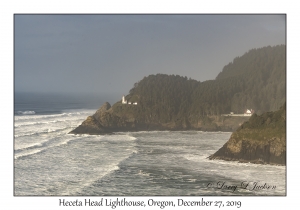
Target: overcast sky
[{"x": 109, "y": 53}]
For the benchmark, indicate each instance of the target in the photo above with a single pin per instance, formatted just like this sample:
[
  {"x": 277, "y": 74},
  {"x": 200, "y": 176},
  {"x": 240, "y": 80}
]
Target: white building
[
  {"x": 248, "y": 112},
  {"x": 123, "y": 100}
]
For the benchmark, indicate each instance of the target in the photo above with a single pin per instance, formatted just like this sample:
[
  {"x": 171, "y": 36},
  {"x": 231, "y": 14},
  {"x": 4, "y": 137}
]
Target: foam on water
[
  {"x": 34, "y": 134},
  {"x": 49, "y": 161},
  {"x": 18, "y": 125},
  {"x": 26, "y": 150},
  {"x": 42, "y": 131},
  {"x": 64, "y": 114},
  {"x": 75, "y": 189},
  {"x": 27, "y": 153},
  {"x": 124, "y": 137},
  {"x": 79, "y": 164},
  {"x": 26, "y": 112},
  {"x": 45, "y": 138},
  {"x": 36, "y": 117}
]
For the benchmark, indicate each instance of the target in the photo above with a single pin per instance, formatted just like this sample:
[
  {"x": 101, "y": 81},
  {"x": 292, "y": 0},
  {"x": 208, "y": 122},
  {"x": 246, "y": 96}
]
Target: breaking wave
[{"x": 25, "y": 112}]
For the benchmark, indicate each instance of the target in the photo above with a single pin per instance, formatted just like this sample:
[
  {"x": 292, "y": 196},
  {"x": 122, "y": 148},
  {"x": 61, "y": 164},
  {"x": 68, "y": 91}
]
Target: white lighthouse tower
[{"x": 123, "y": 100}]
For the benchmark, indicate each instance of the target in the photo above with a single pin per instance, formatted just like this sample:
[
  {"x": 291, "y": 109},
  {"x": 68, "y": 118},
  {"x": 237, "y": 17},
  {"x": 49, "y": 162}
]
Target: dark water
[{"x": 55, "y": 103}]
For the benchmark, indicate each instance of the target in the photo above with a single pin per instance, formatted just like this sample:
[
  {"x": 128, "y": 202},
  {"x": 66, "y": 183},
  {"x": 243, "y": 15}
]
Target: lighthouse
[
  {"x": 129, "y": 102},
  {"x": 123, "y": 100}
]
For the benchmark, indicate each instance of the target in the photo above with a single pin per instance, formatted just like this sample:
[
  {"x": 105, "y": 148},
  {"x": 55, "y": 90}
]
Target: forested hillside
[
  {"x": 262, "y": 79},
  {"x": 256, "y": 80}
]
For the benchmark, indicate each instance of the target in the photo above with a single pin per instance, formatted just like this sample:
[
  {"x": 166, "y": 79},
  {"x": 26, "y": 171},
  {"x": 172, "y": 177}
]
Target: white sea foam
[
  {"x": 57, "y": 163},
  {"x": 26, "y": 112},
  {"x": 64, "y": 114},
  {"x": 80, "y": 166},
  {"x": 42, "y": 131},
  {"x": 27, "y": 153},
  {"x": 143, "y": 173},
  {"x": 50, "y": 143},
  {"x": 195, "y": 158},
  {"x": 17, "y": 124},
  {"x": 119, "y": 138},
  {"x": 99, "y": 173},
  {"x": 35, "y": 117},
  {"x": 28, "y": 145}
]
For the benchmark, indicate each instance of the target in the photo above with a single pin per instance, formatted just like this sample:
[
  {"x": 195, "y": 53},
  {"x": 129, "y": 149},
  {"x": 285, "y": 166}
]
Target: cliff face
[
  {"x": 92, "y": 124},
  {"x": 262, "y": 139}
]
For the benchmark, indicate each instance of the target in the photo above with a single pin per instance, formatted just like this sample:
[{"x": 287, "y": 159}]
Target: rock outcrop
[
  {"x": 262, "y": 140},
  {"x": 92, "y": 125}
]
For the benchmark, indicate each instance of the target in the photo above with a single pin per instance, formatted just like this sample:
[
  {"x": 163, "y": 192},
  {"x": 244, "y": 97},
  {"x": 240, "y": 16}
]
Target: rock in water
[{"x": 262, "y": 139}]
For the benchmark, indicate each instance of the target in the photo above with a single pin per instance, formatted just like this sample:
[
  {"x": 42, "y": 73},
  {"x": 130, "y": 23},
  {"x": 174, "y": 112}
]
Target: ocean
[{"x": 49, "y": 161}]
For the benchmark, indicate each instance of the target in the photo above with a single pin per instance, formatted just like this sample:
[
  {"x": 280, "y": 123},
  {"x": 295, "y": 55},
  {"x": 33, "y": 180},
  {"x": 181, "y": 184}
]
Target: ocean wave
[
  {"x": 18, "y": 125},
  {"x": 32, "y": 152},
  {"x": 39, "y": 147},
  {"x": 195, "y": 158},
  {"x": 26, "y": 112},
  {"x": 88, "y": 182},
  {"x": 20, "y": 117},
  {"x": 39, "y": 116},
  {"x": 36, "y": 123},
  {"x": 21, "y": 135},
  {"x": 119, "y": 138},
  {"x": 143, "y": 173},
  {"x": 45, "y": 131},
  {"x": 28, "y": 146}
]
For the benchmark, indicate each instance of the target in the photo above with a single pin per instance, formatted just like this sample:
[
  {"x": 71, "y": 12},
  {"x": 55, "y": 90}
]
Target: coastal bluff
[
  {"x": 261, "y": 140},
  {"x": 174, "y": 102}
]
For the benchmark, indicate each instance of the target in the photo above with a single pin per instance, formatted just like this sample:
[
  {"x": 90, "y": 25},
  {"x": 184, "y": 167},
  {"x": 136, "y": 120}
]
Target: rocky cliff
[{"x": 262, "y": 139}]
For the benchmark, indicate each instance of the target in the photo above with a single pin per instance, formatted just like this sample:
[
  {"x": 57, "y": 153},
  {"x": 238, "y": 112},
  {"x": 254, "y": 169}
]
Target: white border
[{"x": 8, "y": 8}]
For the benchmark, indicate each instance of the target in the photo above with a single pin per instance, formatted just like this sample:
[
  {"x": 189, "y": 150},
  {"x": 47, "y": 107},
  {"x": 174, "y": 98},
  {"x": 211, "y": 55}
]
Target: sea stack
[{"x": 262, "y": 140}]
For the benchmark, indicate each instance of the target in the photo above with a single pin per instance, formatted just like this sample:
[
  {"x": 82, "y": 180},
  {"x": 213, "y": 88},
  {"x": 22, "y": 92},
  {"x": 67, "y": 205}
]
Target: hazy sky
[{"x": 109, "y": 53}]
